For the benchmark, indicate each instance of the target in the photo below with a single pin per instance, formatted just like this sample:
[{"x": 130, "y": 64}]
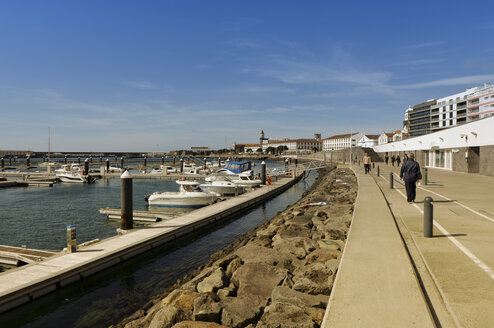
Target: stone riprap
[{"x": 278, "y": 275}]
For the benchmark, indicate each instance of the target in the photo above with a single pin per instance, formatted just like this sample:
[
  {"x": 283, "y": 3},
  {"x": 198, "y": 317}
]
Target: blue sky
[{"x": 162, "y": 75}]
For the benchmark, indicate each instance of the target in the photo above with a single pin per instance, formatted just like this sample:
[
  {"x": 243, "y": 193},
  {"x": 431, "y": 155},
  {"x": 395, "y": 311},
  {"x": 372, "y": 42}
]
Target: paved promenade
[
  {"x": 375, "y": 285},
  {"x": 453, "y": 271}
]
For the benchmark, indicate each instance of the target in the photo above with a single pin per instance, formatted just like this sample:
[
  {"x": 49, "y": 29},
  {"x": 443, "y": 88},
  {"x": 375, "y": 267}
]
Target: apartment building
[
  {"x": 450, "y": 111},
  {"x": 481, "y": 103},
  {"x": 419, "y": 118}
]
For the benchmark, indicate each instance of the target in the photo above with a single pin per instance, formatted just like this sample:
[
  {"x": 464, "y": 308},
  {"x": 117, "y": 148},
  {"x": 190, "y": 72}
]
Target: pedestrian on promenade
[
  {"x": 393, "y": 160},
  {"x": 405, "y": 158},
  {"x": 410, "y": 173},
  {"x": 367, "y": 163},
  {"x": 386, "y": 159},
  {"x": 398, "y": 159}
]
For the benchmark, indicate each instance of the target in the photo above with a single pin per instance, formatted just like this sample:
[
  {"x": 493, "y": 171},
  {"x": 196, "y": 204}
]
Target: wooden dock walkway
[{"x": 20, "y": 255}]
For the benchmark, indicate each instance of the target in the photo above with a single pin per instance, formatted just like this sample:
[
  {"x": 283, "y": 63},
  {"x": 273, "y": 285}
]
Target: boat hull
[{"x": 180, "y": 200}]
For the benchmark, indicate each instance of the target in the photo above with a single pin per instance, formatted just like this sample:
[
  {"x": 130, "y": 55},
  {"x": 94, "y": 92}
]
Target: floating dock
[
  {"x": 27, "y": 283},
  {"x": 18, "y": 256}
]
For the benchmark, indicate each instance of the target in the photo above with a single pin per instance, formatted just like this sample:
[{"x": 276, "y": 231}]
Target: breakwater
[{"x": 282, "y": 271}]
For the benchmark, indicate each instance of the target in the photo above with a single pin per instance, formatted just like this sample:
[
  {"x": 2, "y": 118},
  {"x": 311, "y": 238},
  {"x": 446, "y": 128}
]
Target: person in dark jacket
[
  {"x": 398, "y": 160},
  {"x": 410, "y": 173}
]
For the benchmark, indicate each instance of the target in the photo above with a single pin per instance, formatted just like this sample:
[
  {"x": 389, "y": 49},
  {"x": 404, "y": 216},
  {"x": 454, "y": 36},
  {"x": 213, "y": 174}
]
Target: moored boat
[
  {"x": 190, "y": 194},
  {"x": 73, "y": 173}
]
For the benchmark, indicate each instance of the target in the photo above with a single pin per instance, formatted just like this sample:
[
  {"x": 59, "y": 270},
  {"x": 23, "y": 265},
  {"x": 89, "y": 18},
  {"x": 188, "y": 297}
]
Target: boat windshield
[{"x": 191, "y": 188}]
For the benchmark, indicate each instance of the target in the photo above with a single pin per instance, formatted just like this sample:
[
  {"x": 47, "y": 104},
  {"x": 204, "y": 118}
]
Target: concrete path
[
  {"x": 376, "y": 285},
  {"x": 459, "y": 259}
]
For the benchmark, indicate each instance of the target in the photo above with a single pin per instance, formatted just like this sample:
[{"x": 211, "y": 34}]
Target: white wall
[{"x": 483, "y": 135}]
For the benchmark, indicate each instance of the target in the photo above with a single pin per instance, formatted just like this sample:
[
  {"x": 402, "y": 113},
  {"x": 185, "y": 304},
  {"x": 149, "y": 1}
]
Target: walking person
[
  {"x": 386, "y": 159},
  {"x": 367, "y": 163},
  {"x": 393, "y": 160},
  {"x": 398, "y": 160},
  {"x": 410, "y": 173}
]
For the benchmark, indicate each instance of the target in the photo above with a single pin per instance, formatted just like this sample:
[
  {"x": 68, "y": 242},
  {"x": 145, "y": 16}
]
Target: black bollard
[
  {"x": 391, "y": 180},
  {"x": 173, "y": 160},
  {"x": 100, "y": 159},
  {"x": 181, "y": 165},
  {"x": 378, "y": 171},
  {"x": 122, "y": 162},
  {"x": 219, "y": 161},
  {"x": 263, "y": 173},
  {"x": 65, "y": 159},
  {"x": 205, "y": 163},
  {"x": 10, "y": 160},
  {"x": 126, "y": 211},
  {"x": 79, "y": 160},
  {"x": 107, "y": 165},
  {"x": 145, "y": 161},
  {"x": 28, "y": 161},
  {"x": 3, "y": 165},
  {"x": 162, "y": 160},
  {"x": 428, "y": 216},
  {"x": 91, "y": 159},
  {"x": 86, "y": 167},
  {"x": 373, "y": 166}
]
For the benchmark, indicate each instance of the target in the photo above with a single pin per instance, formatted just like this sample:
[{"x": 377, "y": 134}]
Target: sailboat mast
[{"x": 49, "y": 145}]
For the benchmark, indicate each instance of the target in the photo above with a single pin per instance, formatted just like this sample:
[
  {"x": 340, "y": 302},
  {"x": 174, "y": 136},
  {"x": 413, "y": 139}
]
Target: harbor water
[
  {"x": 37, "y": 217},
  {"x": 109, "y": 296}
]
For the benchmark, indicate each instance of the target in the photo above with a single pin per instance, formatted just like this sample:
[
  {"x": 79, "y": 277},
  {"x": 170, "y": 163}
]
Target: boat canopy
[{"x": 238, "y": 167}]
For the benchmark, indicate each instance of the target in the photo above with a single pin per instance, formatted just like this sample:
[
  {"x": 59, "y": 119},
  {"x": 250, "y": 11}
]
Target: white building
[
  {"x": 481, "y": 103},
  {"x": 385, "y": 137},
  {"x": 368, "y": 141},
  {"x": 465, "y": 148},
  {"x": 297, "y": 145},
  {"x": 341, "y": 141}
]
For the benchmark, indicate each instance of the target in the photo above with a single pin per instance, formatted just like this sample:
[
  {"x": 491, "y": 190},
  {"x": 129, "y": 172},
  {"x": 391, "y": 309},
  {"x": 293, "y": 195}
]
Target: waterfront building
[
  {"x": 450, "y": 111},
  {"x": 295, "y": 146},
  {"x": 419, "y": 118},
  {"x": 341, "y": 141},
  {"x": 368, "y": 141},
  {"x": 385, "y": 137},
  {"x": 481, "y": 103},
  {"x": 465, "y": 148}
]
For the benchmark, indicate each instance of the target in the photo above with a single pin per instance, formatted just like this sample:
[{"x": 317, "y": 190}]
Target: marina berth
[
  {"x": 73, "y": 173},
  {"x": 189, "y": 195}
]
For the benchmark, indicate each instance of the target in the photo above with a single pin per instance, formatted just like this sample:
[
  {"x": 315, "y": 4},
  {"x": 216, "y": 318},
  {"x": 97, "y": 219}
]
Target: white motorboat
[
  {"x": 159, "y": 170},
  {"x": 115, "y": 169},
  {"x": 223, "y": 187},
  {"x": 246, "y": 179},
  {"x": 73, "y": 173},
  {"x": 190, "y": 195}
]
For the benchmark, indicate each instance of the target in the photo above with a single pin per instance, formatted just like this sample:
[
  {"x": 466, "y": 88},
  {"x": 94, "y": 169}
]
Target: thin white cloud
[
  {"x": 263, "y": 89},
  {"x": 419, "y": 62},
  {"x": 139, "y": 85},
  {"x": 424, "y": 45},
  {"x": 469, "y": 80}
]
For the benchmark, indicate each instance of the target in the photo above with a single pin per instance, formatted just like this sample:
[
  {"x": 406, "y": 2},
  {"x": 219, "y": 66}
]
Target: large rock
[
  {"x": 206, "y": 308},
  {"x": 312, "y": 279},
  {"x": 257, "y": 279},
  {"x": 251, "y": 253},
  {"x": 166, "y": 317},
  {"x": 286, "y": 295},
  {"x": 182, "y": 299},
  {"x": 198, "y": 324},
  {"x": 285, "y": 315},
  {"x": 294, "y": 246},
  {"x": 242, "y": 310},
  {"x": 215, "y": 281}
]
